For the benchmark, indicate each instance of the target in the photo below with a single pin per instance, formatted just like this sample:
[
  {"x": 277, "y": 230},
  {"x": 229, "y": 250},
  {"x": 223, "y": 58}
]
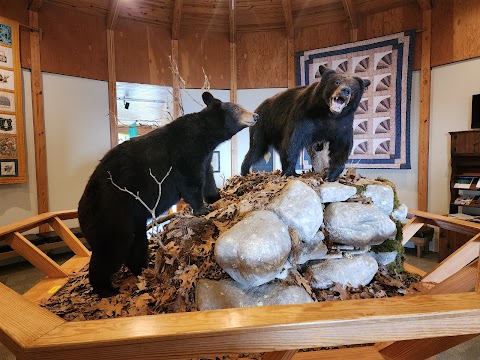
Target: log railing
[{"x": 414, "y": 327}]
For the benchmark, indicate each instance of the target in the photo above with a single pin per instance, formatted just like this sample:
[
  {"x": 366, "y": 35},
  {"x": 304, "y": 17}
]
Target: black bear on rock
[
  {"x": 114, "y": 222},
  {"x": 299, "y": 117}
]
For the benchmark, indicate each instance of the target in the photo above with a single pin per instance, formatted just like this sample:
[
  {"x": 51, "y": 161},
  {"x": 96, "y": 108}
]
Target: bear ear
[
  {"x": 208, "y": 98},
  {"x": 366, "y": 82},
  {"x": 323, "y": 69}
]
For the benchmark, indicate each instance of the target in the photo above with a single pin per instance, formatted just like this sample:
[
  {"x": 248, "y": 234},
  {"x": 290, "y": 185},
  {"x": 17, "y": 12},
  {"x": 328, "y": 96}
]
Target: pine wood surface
[
  {"x": 357, "y": 353},
  {"x": 449, "y": 223},
  {"x": 456, "y": 261},
  {"x": 34, "y": 221},
  {"x": 35, "y": 256},
  {"x": 175, "y": 336}
]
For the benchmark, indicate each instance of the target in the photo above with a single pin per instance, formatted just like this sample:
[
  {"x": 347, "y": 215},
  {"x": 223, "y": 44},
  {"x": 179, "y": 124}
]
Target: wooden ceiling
[{"x": 250, "y": 15}]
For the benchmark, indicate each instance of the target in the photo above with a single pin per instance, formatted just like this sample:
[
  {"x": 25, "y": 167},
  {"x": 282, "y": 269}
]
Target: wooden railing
[{"x": 414, "y": 327}]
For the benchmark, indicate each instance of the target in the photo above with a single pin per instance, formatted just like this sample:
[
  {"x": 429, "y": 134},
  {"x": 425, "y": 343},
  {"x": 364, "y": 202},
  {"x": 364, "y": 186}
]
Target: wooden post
[
  {"x": 423, "y": 140},
  {"x": 112, "y": 88},
  {"x": 176, "y": 85},
  {"x": 38, "y": 121},
  {"x": 233, "y": 79}
]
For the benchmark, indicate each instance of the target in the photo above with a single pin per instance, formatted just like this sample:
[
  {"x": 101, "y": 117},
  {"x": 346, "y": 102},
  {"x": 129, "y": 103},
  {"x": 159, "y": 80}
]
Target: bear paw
[
  {"x": 202, "y": 211},
  {"x": 104, "y": 292}
]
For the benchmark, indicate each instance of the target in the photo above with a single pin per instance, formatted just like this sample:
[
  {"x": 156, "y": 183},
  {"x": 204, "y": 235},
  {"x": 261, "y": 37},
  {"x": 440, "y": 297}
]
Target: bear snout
[{"x": 346, "y": 92}]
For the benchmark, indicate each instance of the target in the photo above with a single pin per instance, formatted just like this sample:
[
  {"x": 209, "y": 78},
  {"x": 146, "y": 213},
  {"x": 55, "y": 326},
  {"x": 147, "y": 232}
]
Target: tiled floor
[{"x": 22, "y": 276}]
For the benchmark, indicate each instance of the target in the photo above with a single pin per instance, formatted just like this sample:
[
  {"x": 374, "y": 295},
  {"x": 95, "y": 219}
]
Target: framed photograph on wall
[
  {"x": 216, "y": 161},
  {"x": 12, "y": 138}
]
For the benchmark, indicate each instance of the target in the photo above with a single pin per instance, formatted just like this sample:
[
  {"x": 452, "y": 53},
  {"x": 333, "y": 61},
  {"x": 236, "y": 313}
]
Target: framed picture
[
  {"x": 12, "y": 140},
  {"x": 216, "y": 161},
  {"x": 6, "y": 57},
  {"x": 7, "y": 101}
]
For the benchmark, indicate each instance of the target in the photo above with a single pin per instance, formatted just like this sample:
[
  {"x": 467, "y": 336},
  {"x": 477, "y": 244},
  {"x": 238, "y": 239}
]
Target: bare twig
[
  {"x": 154, "y": 224},
  {"x": 206, "y": 82}
]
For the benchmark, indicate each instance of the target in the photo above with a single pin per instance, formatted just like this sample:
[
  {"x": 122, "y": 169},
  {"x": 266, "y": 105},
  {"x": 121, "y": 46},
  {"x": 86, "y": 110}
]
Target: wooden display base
[{"x": 415, "y": 327}]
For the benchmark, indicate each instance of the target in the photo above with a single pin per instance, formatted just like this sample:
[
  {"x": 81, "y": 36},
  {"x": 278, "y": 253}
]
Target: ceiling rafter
[
  {"x": 351, "y": 13},
  {"x": 112, "y": 14},
  {"x": 425, "y": 4},
  {"x": 35, "y": 5},
  {"x": 233, "y": 21},
  {"x": 176, "y": 18},
  {"x": 287, "y": 12}
]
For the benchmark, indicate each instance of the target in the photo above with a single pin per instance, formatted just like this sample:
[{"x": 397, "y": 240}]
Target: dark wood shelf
[
  {"x": 465, "y": 161},
  {"x": 472, "y": 206}
]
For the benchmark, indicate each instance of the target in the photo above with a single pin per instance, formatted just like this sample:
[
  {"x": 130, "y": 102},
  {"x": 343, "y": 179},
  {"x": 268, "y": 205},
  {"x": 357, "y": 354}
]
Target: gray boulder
[
  {"x": 382, "y": 197},
  {"x": 357, "y": 224},
  {"x": 224, "y": 294},
  {"x": 384, "y": 258},
  {"x": 299, "y": 206},
  {"x": 334, "y": 192},
  {"x": 400, "y": 213},
  {"x": 255, "y": 249},
  {"x": 354, "y": 271},
  {"x": 313, "y": 250}
]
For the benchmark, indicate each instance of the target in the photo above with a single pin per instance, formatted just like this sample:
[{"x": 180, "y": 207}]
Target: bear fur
[
  {"x": 299, "y": 117},
  {"x": 114, "y": 222}
]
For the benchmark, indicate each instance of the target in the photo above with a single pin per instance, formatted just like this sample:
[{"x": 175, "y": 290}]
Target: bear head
[
  {"x": 341, "y": 92},
  {"x": 233, "y": 117}
]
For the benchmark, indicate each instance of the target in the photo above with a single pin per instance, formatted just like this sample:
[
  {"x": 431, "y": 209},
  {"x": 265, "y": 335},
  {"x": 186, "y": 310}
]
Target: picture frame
[
  {"x": 216, "y": 161},
  {"x": 12, "y": 138}
]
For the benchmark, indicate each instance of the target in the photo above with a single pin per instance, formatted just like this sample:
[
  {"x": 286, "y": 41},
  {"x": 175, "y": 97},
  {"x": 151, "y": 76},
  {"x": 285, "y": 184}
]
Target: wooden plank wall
[
  {"x": 74, "y": 43},
  {"x": 142, "y": 53}
]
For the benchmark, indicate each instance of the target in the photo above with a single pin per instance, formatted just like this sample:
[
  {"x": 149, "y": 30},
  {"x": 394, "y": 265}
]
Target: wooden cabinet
[{"x": 465, "y": 162}]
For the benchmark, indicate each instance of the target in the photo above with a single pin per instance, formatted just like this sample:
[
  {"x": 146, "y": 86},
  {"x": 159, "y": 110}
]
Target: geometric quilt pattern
[{"x": 382, "y": 120}]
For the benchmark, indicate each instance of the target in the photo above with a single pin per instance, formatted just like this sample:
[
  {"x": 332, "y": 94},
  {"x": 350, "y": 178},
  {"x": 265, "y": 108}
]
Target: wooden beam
[
  {"x": 411, "y": 228},
  {"x": 456, "y": 261},
  {"x": 68, "y": 237},
  {"x": 36, "y": 257},
  {"x": 176, "y": 83},
  {"x": 34, "y": 221},
  {"x": 176, "y": 18},
  {"x": 287, "y": 13},
  {"x": 290, "y": 63},
  {"x": 233, "y": 20},
  {"x": 448, "y": 223},
  {"x": 424, "y": 131},
  {"x": 351, "y": 14},
  {"x": 35, "y": 5},
  {"x": 233, "y": 79},
  {"x": 112, "y": 14},
  {"x": 262, "y": 329},
  {"x": 38, "y": 120},
  {"x": 112, "y": 88},
  {"x": 425, "y": 4}
]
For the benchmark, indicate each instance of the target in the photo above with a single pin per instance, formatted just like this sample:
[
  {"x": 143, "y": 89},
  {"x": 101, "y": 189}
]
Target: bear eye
[{"x": 337, "y": 83}]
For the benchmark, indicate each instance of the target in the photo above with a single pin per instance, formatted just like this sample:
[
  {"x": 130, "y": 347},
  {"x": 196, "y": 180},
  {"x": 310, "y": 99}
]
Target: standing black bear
[
  {"x": 114, "y": 223},
  {"x": 302, "y": 116}
]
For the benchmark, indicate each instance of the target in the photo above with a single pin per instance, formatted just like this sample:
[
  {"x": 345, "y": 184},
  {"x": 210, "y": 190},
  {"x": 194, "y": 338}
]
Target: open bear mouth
[{"x": 337, "y": 103}]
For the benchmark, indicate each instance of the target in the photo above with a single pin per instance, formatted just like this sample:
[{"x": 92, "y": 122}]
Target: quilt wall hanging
[
  {"x": 12, "y": 145},
  {"x": 382, "y": 120}
]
